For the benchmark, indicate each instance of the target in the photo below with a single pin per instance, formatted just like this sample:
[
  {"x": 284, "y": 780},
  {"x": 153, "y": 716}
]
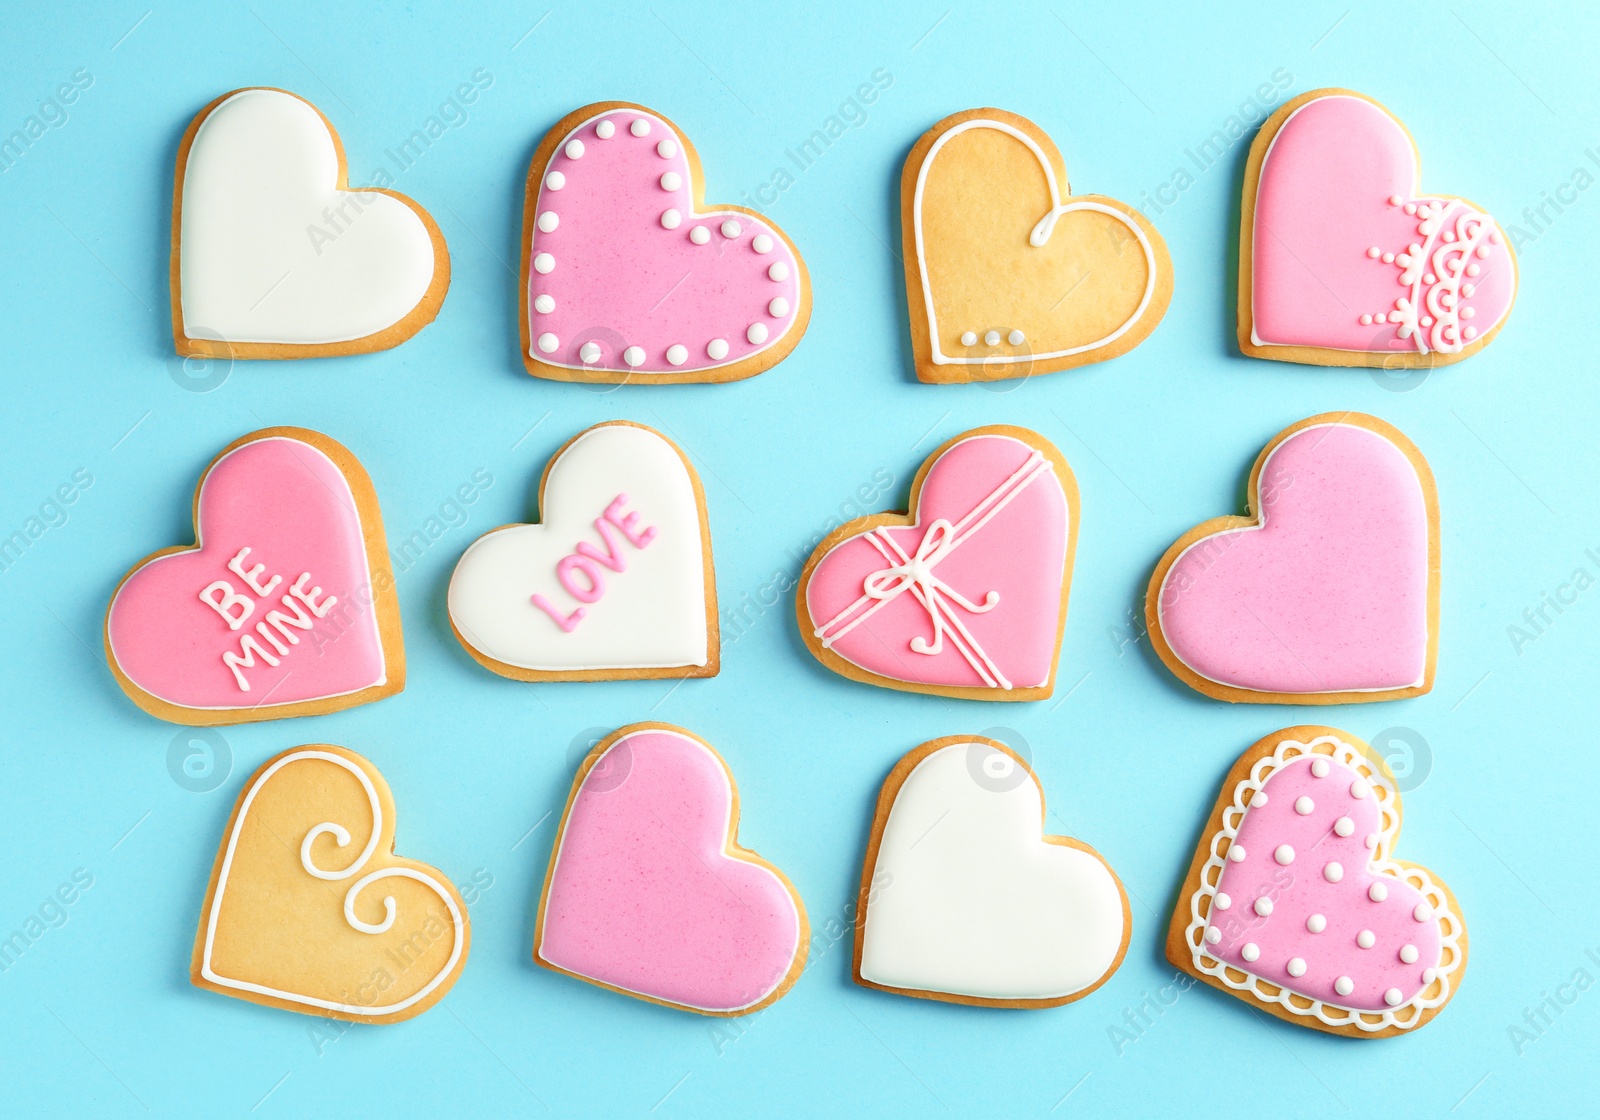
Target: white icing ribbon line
[
  {"x": 1039, "y": 235},
  {"x": 1472, "y": 228},
  {"x": 914, "y": 573}
]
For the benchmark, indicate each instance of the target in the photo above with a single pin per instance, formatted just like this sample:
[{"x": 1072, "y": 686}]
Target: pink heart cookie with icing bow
[
  {"x": 1295, "y": 903},
  {"x": 1345, "y": 262},
  {"x": 1328, "y": 593},
  {"x": 648, "y": 892},
  {"x": 966, "y": 596},
  {"x": 285, "y": 605},
  {"x": 628, "y": 277}
]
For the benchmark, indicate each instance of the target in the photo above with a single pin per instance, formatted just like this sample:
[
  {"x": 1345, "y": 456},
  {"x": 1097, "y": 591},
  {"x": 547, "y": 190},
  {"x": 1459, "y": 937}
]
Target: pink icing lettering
[
  {"x": 613, "y": 556},
  {"x": 222, "y": 598},
  {"x": 567, "y": 622},
  {"x": 625, "y": 521},
  {"x": 252, "y": 576},
  {"x": 588, "y": 559},
  {"x": 597, "y": 582}
]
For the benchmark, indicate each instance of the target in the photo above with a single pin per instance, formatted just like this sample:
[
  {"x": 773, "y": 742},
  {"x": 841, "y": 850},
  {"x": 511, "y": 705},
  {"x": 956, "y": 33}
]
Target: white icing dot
[
  {"x": 1366, "y": 939},
  {"x": 1377, "y": 892},
  {"x": 1408, "y": 954},
  {"x": 731, "y": 229},
  {"x": 1316, "y": 923},
  {"x": 761, "y": 243},
  {"x": 969, "y": 338},
  {"x": 1359, "y": 789},
  {"x": 1344, "y": 826},
  {"x": 544, "y": 304},
  {"x": 1284, "y": 854},
  {"x": 574, "y": 149},
  {"x": 1473, "y": 270},
  {"x": 1333, "y": 872},
  {"x": 640, "y": 127},
  {"x": 1263, "y": 906},
  {"x": 605, "y": 130},
  {"x": 1427, "y": 320},
  {"x": 1471, "y": 333},
  {"x": 778, "y": 271},
  {"x": 1374, "y": 253},
  {"x": 757, "y": 333},
  {"x": 1366, "y": 320},
  {"x": 1223, "y": 901},
  {"x": 1411, "y": 208},
  {"x": 1423, "y": 912},
  {"x": 699, "y": 235},
  {"x": 589, "y": 352},
  {"x": 1250, "y": 951},
  {"x": 677, "y": 355},
  {"x": 1388, "y": 258},
  {"x": 1258, "y": 799},
  {"x": 1428, "y": 975},
  {"x": 1467, "y": 312},
  {"x": 992, "y": 338},
  {"x": 717, "y": 349},
  {"x": 543, "y": 263},
  {"x": 555, "y": 180},
  {"x": 1468, "y": 290},
  {"x": 1016, "y": 338},
  {"x": 671, "y": 181},
  {"x": 778, "y": 307},
  {"x": 1380, "y": 317},
  {"x": 1344, "y": 985},
  {"x": 1482, "y": 253},
  {"x": 1371, "y": 840},
  {"x": 548, "y": 221},
  {"x": 1297, "y": 966},
  {"x": 1449, "y": 235},
  {"x": 548, "y": 342},
  {"x": 1430, "y": 278},
  {"x": 634, "y": 355},
  {"x": 666, "y": 149},
  {"x": 1213, "y": 935},
  {"x": 1303, "y": 805},
  {"x": 1394, "y": 200},
  {"x": 1236, "y": 853},
  {"x": 670, "y": 219},
  {"x": 1392, "y": 997},
  {"x": 1319, "y": 768}
]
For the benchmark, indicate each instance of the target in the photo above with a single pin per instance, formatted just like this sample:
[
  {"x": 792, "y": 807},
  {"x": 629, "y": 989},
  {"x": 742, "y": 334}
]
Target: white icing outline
[
  {"x": 199, "y": 543},
  {"x": 729, "y": 835},
  {"x": 1261, "y": 523},
  {"x": 737, "y": 215},
  {"x": 1333, "y": 1015},
  {"x": 1415, "y": 196},
  {"x": 340, "y": 834},
  {"x": 1039, "y": 235}
]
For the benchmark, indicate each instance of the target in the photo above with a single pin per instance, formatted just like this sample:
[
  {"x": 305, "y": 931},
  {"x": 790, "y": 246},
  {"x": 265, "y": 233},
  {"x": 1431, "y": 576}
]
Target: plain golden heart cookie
[
  {"x": 310, "y": 910},
  {"x": 1007, "y": 273}
]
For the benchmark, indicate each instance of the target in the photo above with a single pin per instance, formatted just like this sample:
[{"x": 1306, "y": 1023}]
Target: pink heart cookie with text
[
  {"x": 966, "y": 596},
  {"x": 648, "y": 892},
  {"x": 285, "y": 606},
  {"x": 1328, "y": 593},
  {"x": 1295, "y": 903},
  {"x": 1345, "y": 262},
  {"x": 628, "y": 277}
]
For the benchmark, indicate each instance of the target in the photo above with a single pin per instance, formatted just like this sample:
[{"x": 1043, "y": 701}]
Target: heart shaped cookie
[
  {"x": 274, "y": 256},
  {"x": 285, "y": 605},
  {"x": 1296, "y": 904},
  {"x": 963, "y": 900},
  {"x": 966, "y": 596},
  {"x": 627, "y": 276},
  {"x": 1328, "y": 593},
  {"x": 1009, "y": 274},
  {"x": 648, "y": 892},
  {"x": 615, "y": 583},
  {"x": 1343, "y": 261},
  {"x": 310, "y": 910}
]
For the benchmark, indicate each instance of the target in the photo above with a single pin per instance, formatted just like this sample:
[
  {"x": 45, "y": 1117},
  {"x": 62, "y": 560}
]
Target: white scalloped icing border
[{"x": 1408, "y": 1014}]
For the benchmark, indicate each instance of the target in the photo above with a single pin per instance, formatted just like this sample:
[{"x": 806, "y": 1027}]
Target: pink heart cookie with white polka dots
[
  {"x": 628, "y": 277},
  {"x": 1294, "y": 902}
]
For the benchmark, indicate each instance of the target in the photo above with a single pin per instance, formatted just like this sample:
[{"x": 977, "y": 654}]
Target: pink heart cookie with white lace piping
[
  {"x": 628, "y": 277},
  {"x": 1345, "y": 262},
  {"x": 285, "y": 605},
  {"x": 1295, "y": 903},
  {"x": 1328, "y": 593},
  {"x": 967, "y": 595},
  {"x": 648, "y": 891}
]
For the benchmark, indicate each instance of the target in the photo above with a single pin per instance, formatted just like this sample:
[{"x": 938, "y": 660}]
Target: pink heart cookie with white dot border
[
  {"x": 1295, "y": 903},
  {"x": 628, "y": 277}
]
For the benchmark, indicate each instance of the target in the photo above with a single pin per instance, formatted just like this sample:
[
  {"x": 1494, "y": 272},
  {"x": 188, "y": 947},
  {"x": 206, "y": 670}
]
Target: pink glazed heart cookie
[
  {"x": 1328, "y": 593},
  {"x": 284, "y": 606},
  {"x": 1295, "y": 904},
  {"x": 1343, "y": 261},
  {"x": 628, "y": 277},
  {"x": 648, "y": 892},
  {"x": 967, "y": 595}
]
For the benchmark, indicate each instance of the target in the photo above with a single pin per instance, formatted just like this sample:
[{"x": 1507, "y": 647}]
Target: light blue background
[{"x": 98, "y": 1017}]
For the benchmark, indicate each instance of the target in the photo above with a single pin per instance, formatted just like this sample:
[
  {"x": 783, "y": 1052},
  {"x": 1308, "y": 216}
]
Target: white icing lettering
[
  {"x": 246, "y": 659},
  {"x": 309, "y": 598},
  {"x": 222, "y": 598},
  {"x": 252, "y": 577}
]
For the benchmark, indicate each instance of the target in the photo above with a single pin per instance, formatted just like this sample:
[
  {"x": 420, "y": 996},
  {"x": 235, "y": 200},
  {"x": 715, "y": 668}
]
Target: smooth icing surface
[
  {"x": 1371, "y": 938},
  {"x": 631, "y": 264},
  {"x": 970, "y": 595},
  {"x": 257, "y": 186},
  {"x": 1349, "y": 256},
  {"x": 1330, "y": 592},
  {"x": 975, "y": 902},
  {"x": 644, "y": 896},
  {"x": 639, "y": 601},
  {"x": 274, "y": 607}
]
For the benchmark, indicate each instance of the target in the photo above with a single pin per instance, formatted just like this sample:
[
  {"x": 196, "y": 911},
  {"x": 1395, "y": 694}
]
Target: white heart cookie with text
[{"x": 616, "y": 581}]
